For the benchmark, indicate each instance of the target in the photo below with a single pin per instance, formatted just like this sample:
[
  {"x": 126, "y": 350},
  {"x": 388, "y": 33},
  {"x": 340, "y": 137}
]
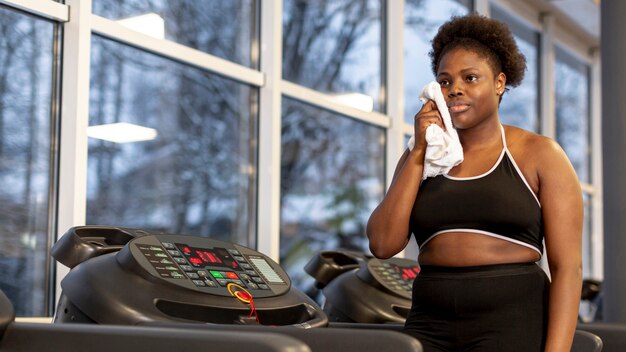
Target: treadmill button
[
  {"x": 223, "y": 282},
  {"x": 244, "y": 276},
  {"x": 193, "y": 275},
  {"x": 168, "y": 245},
  {"x": 186, "y": 267},
  {"x": 217, "y": 274},
  {"x": 251, "y": 273},
  {"x": 263, "y": 287},
  {"x": 177, "y": 275},
  {"x": 174, "y": 253},
  {"x": 238, "y": 282},
  {"x": 258, "y": 280},
  {"x": 232, "y": 275},
  {"x": 202, "y": 273},
  {"x": 210, "y": 283},
  {"x": 234, "y": 252},
  {"x": 252, "y": 286},
  {"x": 246, "y": 266},
  {"x": 240, "y": 259},
  {"x": 180, "y": 260},
  {"x": 199, "y": 283}
]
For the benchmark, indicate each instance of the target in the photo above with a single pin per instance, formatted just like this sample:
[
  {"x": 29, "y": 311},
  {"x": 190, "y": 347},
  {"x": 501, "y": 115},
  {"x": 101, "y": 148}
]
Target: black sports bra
[{"x": 498, "y": 203}]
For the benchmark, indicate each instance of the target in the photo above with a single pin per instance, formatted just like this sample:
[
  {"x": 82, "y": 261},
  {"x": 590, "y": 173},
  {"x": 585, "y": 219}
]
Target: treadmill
[
  {"x": 33, "y": 337},
  {"x": 141, "y": 278}
]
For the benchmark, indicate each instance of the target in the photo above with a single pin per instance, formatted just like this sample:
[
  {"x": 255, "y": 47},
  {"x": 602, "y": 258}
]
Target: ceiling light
[
  {"x": 149, "y": 24},
  {"x": 122, "y": 132},
  {"x": 356, "y": 100}
]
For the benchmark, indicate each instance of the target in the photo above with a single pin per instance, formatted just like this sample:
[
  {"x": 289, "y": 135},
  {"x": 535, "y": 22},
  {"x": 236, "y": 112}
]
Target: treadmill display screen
[
  {"x": 407, "y": 273},
  {"x": 209, "y": 257}
]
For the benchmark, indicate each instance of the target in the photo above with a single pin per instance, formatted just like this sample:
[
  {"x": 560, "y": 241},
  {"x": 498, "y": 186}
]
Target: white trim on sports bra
[
  {"x": 505, "y": 150},
  {"x": 481, "y": 232}
]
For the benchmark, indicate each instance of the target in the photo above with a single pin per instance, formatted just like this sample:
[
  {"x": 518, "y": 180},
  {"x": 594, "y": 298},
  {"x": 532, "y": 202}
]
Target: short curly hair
[{"x": 485, "y": 36}]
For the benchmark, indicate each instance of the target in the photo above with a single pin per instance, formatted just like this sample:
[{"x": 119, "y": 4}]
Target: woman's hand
[{"x": 427, "y": 115}]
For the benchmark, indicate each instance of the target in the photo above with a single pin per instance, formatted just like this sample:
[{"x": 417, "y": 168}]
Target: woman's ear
[{"x": 500, "y": 83}]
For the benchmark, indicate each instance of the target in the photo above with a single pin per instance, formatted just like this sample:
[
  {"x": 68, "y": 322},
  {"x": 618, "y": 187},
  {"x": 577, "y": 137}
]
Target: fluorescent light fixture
[
  {"x": 121, "y": 132},
  {"x": 149, "y": 24},
  {"x": 356, "y": 100}
]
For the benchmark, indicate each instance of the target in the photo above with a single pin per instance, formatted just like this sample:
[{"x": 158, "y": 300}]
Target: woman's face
[{"x": 470, "y": 87}]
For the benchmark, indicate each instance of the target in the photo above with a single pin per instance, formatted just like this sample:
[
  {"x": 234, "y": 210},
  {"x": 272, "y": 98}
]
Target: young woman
[{"x": 481, "y": 227}]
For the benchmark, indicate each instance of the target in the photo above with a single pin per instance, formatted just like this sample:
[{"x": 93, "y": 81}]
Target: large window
[
  {"x": 172, "y": 147},
  {"x": 181, "y": 111},
  {"x": 422, "y": 18},
  {"x": 572, "y": 111},
  {"x": 520, "y": 105},
  {"x": 335, "y": 47},
  {"x": 332, "y": 178},
  {"x": 573, "y": 132},
  {"x": 226, "y": 29},
  {"x": 26, "y": 127}
]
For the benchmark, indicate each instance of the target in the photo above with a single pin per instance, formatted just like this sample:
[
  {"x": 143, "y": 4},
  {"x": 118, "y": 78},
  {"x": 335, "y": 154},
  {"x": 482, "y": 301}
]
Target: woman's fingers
[{"x": 428, "y": 115}]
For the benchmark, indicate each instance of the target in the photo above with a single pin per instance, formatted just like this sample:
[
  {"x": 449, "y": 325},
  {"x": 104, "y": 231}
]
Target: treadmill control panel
[
  {"x": 395, "y": 274},
  {"x": 206, "y": 265}
]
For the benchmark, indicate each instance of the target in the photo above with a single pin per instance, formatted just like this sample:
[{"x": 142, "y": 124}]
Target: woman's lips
[{"x": 455, "y": 109}]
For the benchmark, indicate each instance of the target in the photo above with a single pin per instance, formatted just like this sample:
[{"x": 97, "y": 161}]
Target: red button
[
  {"x": 244, "y": 296},
  {"x": 231, "y": 275}
]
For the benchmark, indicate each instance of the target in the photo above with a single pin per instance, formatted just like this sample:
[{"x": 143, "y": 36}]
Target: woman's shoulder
[
  {"x": 541, "y": 150},
  {"x": 519, "y": 138}
]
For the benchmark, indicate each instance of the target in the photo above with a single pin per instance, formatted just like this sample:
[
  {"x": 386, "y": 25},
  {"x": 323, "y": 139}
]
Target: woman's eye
[
  {"x": 443, "y": 83},
  {"x": 471, "y": 78}
]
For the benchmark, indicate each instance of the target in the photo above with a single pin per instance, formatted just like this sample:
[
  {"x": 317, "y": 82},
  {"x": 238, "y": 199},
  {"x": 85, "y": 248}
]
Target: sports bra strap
[{"x": 503, "y": 138}]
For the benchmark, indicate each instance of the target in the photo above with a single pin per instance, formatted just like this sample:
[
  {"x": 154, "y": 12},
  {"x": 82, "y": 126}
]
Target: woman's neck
[{"x": 482, "y": 136}]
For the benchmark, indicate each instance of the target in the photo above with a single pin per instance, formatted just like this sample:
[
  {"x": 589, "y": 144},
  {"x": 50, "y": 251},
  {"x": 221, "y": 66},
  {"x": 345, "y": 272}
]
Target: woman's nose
[{"x": 455, "y": 89}]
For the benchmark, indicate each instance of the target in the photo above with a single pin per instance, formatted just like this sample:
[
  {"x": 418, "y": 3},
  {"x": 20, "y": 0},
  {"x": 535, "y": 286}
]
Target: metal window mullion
[
  {"x": 113, "y": 30},
  {"x": 587, "y": 188},
  {"x": 394, "y": 146},
  {"x": 597, "y": 209},
  {"x": 48, "y": 9},
  {"x": 74, "y": 121},
  {"x": 524, "y": 12},
  {"x": 268, "y": 171},
  {"x": 481, "y": 7},
  {"x": 324, "y": 101},
  {"x": 546, "y": 78},
  {"x": 395, "y": 86}
]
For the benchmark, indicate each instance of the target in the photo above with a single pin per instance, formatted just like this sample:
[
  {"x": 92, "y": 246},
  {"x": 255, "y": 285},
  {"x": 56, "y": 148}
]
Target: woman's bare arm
[
  {"x": 561, "y": 199},
  {"x": 388, "y": 226}
]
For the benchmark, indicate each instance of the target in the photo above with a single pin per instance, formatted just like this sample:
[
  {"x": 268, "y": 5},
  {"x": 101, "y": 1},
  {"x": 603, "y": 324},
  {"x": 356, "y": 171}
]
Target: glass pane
[
  {"x": 520, "y": 105},
  {"x": 335, "y": 47},
  {"x": 422, "y": 19},
  {"x": 572, "y": 111},
  {"x": 185, "y": 163},
  {"x": 26, "y": 53},
  {"x": 332, "y": 178},
  {"x": 226, "y": 29}
]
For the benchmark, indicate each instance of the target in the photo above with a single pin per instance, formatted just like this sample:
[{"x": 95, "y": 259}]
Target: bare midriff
[{"x": 471, "y": 249}]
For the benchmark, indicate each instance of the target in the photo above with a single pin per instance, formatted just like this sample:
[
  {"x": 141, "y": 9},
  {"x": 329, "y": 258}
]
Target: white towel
[{"x": 444, "y": 150}]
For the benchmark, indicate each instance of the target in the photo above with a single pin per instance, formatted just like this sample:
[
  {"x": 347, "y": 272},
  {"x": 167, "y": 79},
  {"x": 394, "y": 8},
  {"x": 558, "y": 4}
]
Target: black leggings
[{"x": 501, "y": 307}]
